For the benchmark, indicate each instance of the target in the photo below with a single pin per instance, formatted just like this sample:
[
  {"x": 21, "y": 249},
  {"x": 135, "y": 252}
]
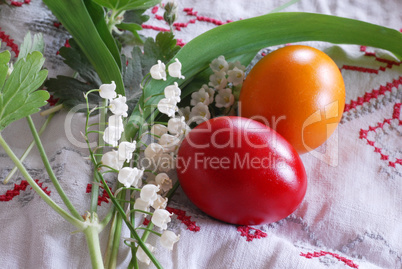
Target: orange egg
[{"x": 299, "y": 92}]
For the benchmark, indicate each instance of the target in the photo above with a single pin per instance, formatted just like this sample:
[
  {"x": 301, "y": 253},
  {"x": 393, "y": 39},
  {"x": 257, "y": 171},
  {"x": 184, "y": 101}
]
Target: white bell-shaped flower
[
  {"x": 168, "y": 239},
  {"x": 161, "y": 218},
  {"x": 169, "y": 142},
  {"x": 200, "y": 96},
  {"x": 177, "y": 125},
  {"x": 111, "y": 135},
  {"x": 200, "y": 113},
  {"x": 111, "y": 159},
  {"x": 118, "y": 106},
  {"x": 166, "y": 162},
  {"x": 158, "y": 71},
  {"x": 219, "y": 64},
  {"x": 168, "y": 106},
  {"x": 108, "y": 91},
  {"x": 185, "y": 112},
  {"x": 235, "y": 76},
  {"x": 163, "y": 180},
  {"x": 153, "y": 150},
  {"x": 218, "y": 80},
  {"x": 117, "y": 122},
  {"x": 224, "y": 98},
  {"x": 126, "y": 150},
  {"x": 140, "y": 204},
  {"x": 142, "y": 256},
  {"x": 237, "y": 64},
  {"x": 158, "y": 130},
  {"x": 160, "y": 202},
  {"x": 149, "y": 193},
  {"x": 175, "y": 69},
  {"x": 210, "y": 91},
  {"x": 173, "y": 92},
  {"x": 130, "y": 177}
]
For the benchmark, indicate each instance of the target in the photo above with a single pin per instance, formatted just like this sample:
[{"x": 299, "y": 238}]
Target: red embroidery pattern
[
  {"x": 18, "y": 3},
  {"x": 101, "y": 198},
  {"x": 316, "y": 254},
  {"x": 364, "y": 135},
  {"x": 52, "y": 101},
  {"x": 186, "y": 220},
  {"x": 145, "y": 222},
  {"x": 10, "y": 194},
  {"x": 375, "y": 93},
  {"x": 9, "y": 42},
  {"x": 250, "y": 233}
]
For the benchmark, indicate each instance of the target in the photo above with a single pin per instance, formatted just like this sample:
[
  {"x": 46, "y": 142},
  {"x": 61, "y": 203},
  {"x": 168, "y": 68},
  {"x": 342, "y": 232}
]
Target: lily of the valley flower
[
  {"x": 117, "y": 122},
  {"x": 140, "y": 204},
  {"x": 237, "y": 64},
  {"x": 168, "y": 106},
  {"x": 111, "y": 159},
  {"x": 130, "y": 177},
  {"x": 210, "y": 91},
  {"x": 111, "y": 135},
  {"x": 218, "y": 80},
  {"x": 163, "y": 180},
  {"x": 175, "y": 69},
  {"x": 201, "y": 96},
  {"x": 225, "y": 98},
  {"x": 108, "y": 91},
  {"x": 166, "y": 162},
  {"x": 118, "y": 106},
  {"x": 177, "y": 126},
  {"x": 200, "y": 113},
  {"x": 149, "y": 193},
  {"x": 161, "y": 218},
  {"x": 153, "y": 150},
  {"x": 219, "y": 64},
  {"x": 142, "y": 256},
  {"x": 158, "y": 71},
  {"x": 173, "y": 92},
  {"x": 126, "y": 150},
  {"x": 185, "y": 112},
  {"x": 235, "y": 76},
  {"x": 160, "y": 203},
  {"x": 158, "y": 130},
  {"x": 168, "y": 239},
  {"x": 169, "y": 142}
]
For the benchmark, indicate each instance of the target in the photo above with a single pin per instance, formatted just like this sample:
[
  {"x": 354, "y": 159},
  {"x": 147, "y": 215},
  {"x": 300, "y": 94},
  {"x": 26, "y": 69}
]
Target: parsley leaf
[{"x": 18, "y": 95}]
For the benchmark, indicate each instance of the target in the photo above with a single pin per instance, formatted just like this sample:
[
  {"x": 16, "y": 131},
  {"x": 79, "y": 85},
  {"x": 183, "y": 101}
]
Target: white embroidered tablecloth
[{"x": 351, "y": 216}]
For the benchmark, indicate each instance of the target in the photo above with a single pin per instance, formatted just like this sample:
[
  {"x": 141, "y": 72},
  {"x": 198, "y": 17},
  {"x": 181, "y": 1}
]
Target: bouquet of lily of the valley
[{"x": 142, "y": 106}]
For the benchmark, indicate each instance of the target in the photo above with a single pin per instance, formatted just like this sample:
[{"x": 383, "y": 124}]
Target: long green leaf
[
  {"x": 251, "y": 35},
  {"x": 97, "y": 14},
  {"x": 74, "y": 16}
]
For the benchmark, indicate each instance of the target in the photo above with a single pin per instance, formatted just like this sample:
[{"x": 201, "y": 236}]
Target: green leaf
[
  {"x": 75, "y": 58},
  {"x": 5, "y": 57},
  {"x": 98, "y": 17},
  {"x": 120, "y": 5},
  {"x": 74, "y": 16},
  {"x": 29, "y": 46},
  {"x": 132, "y": 27},
  {"x": 250, "y": 35},
  {"x": 71, "y": 91},
  {"x": 18, "y": 96}
]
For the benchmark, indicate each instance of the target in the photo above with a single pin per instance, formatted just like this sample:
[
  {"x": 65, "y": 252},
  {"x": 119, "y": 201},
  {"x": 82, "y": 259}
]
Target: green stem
[
  {"x": 76, "y": 222},
  {"x": 116, "y": 237},
  {"x": 50, "y": 172},
  {"x": 129, "y": 225},
  {"x": 28, "y": 150},
  {"x": 92, "y": 236},
  {"x": 110, "y": 241}
]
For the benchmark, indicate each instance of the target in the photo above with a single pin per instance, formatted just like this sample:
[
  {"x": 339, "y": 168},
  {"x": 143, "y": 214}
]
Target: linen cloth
[{"x": 351, "y": 216}]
